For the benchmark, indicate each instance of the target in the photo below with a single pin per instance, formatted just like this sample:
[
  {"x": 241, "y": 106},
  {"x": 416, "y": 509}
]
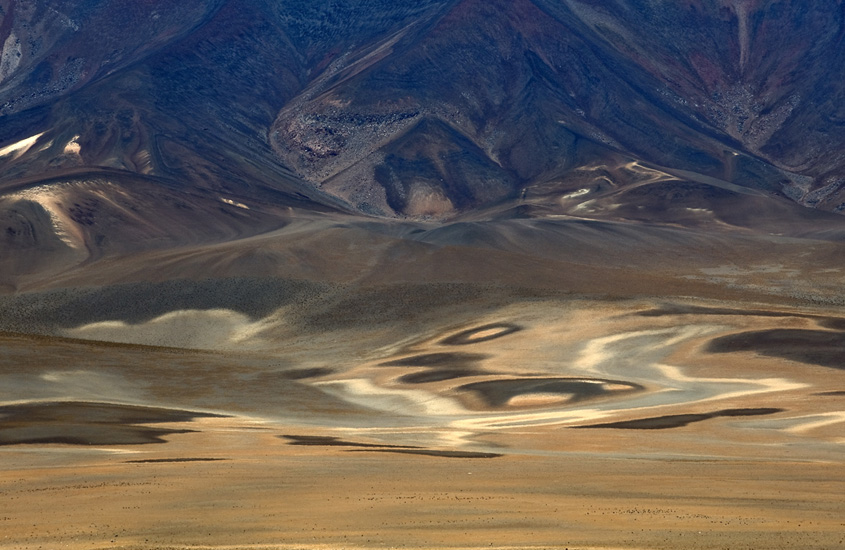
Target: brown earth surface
[
  {"x": 441, "y": 274},
  {"x": 310, "y": 452}
]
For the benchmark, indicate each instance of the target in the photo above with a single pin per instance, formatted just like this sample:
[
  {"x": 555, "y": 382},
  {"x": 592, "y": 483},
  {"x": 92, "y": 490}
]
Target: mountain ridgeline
[{"x": 423, "y": 109}]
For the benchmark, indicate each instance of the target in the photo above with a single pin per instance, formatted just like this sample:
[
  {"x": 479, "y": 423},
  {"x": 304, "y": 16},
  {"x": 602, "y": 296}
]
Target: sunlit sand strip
[
  {"x": 234, "y": 203},
  {"x": 67, "y": 450},
  {"x": 10, "y": 56},
  {"x": 533, "y": 419},
  {"x": 597, "y": 358},
  {"x": 574, "y": 194},
  {"x": 434, "y": 436},
  {"x": 763, "y": 385},
  {"x": 539, "y": 399},
  {"x": 823, "y": 419},
  {"x": 651, "y": 175},
  {"x": 50, "y": 199},
  {"x": 596, "y": 353},
  {"x": 192, "y": 328},
  {"x": 454, "y": 438},
  {"x": 363, "y": 392},
  {"x": 20, "y": 147}
]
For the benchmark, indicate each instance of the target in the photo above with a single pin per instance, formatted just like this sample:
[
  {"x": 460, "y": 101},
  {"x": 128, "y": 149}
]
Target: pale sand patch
[
  {"x": 596, "y": 353},
  {"x": 235, "y": 203},
  {"x": 584, "y": 206},
  {"x": 538, "y": 399},
  {"x": 652, "y": 175},
  {"x": 427, "y": 201},
  {"x": 574, "y": 194},
  {"x": 20, "y": 147},
  {"x": 529, "y": 419},
  {"x": 362, "y": 391},
  {"x": 729, "y": 388},
  {"x": 804, "y": 424},
  {"x": 212, "y": 329},
  {"x": 10, "y": 57},
  {"x": 52, "y": 198},
  {"x": 72, "y": 147},
  {"x": 143, "y": 161}
]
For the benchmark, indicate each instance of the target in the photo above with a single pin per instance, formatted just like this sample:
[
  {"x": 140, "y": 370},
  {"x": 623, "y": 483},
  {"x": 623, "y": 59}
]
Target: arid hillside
[{"x": 458, "y": 274}]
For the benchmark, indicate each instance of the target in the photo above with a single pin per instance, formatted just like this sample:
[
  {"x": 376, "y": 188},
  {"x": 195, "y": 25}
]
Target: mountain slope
[{"x": 425, "y": 109}]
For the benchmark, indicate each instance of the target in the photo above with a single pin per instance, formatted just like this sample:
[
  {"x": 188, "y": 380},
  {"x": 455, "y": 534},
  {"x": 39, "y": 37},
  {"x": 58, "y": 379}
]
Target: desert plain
[
  {"x": 439, "y": 274},
  {"x": 450, "y": 386}
]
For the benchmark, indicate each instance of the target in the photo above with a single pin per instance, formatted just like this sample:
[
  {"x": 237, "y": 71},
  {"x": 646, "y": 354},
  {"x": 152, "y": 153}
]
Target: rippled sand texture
[{"x": 545, "y": 422}]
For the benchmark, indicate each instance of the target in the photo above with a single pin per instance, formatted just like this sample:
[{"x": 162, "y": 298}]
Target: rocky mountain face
[
  {"x": 488, "y": 98},
  {"x": 424, "y": 109}
]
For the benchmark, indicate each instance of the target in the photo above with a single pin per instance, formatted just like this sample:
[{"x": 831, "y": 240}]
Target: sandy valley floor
[
  {"x": 545, "y": 423},
  {"x": 348, "y": 274}
]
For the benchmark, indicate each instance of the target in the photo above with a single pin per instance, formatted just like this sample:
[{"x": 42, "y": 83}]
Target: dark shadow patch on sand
[
  {"x": 438, "y": 375},
  {"x": 430, "y": 452},
  {"x": 834, "y": 323},
  {"x": 82, "y": 423},
  {"x": 677, "y": 309},
  {"x": 168, "y": 460},
  {"x": 834, "y": 393},
  {"x": 84, "y": 434},
  {"x": 680, "y": 420},
  {"x": 303, "y": 374},
  {"x": 498, "y": 393},
  {"x": 814, "y": 347},
  {"x": 477, "y": 334},
  {"x": 328, "y": 441},
  {"x": 441, "y": 359}
]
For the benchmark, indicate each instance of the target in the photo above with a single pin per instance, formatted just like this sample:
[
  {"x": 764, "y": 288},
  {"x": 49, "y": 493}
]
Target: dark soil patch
[
  {"x": 82, "y": 423},
  {"x": 497, "y": 393},
  {"x": 442, "y": 359},
  {"x": 326, "y": 441},
  {"x": 679, "y": 420},
  {"x": 814, "y": 347},
  {"x": 471, "y": 336},
  {"x": 430, "y": 452}
]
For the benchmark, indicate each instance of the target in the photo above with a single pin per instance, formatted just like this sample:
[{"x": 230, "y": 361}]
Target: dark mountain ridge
[{"x": 213, "y": 118}]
